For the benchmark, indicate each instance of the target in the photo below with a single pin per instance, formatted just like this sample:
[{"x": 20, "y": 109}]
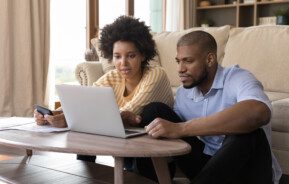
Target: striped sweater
[{"x": 153, "y": 87}]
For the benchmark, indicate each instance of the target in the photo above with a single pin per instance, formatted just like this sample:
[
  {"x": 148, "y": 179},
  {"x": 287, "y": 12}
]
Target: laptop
[{"x": 93, "y": 110}]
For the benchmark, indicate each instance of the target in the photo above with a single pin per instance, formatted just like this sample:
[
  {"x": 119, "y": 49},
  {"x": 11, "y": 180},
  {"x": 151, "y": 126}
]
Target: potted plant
[
  {"x": 282, "y": 16},
  {"x": 207, "y": 22}
]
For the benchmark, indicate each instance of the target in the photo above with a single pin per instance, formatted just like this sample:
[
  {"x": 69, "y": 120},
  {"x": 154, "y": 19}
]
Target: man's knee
[
  {"x": 151, "y": 111},
  {"x": 158, "y": 110},
  {"x": 250, "y": 153},
  {"x": 248, "y": 139},
  {"x": 155, "y": 106}
]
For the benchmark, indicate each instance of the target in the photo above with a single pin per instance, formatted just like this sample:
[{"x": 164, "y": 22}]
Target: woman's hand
[
  {"x": 57, "y": 120},
  {"x": 39, "y": 119},
  {"x": 130, "y": 119}
]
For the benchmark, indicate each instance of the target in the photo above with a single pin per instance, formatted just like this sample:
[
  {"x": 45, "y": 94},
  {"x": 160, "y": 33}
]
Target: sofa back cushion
[
  {"x": 167, "y": 43},
  {"x": 263, "y": 50},
  {"x": 106, "y": 64}
]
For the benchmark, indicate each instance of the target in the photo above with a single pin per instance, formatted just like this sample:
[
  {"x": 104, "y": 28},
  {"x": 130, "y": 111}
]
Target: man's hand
[
  {"x": 57, "y": 120},
  {"x": 130, "y": 119},
  {"x": 163, "y": 128}
]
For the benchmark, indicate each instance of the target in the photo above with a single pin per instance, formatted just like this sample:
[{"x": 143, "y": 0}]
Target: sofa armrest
[{"x": 88, "y": 72}]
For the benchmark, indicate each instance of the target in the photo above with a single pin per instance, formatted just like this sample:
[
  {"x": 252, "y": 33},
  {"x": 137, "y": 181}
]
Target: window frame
[{"x": 92, "y": 18}]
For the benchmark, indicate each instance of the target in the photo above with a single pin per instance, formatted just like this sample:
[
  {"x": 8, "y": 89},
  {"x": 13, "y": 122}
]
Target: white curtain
[
  {"x": 178, "y": 15},
  {"x": 173, "y": 15},
  {"x": 24, "y": 55}
]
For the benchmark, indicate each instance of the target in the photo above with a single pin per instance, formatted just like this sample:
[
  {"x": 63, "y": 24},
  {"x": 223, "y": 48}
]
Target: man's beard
[{"x": 199, "y": 81}]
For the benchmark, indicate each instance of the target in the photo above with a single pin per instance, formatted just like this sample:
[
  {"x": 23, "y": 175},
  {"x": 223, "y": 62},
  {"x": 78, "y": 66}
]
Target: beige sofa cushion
[
  {"x": 282, "y": 155},
  {"x": 263, "y": 50},
  {"x": 274, "y": 96},
  {"x": 166, "y": 45},
  {"x": 107, "y": 65},
  {"x": 280, "y": 116}
]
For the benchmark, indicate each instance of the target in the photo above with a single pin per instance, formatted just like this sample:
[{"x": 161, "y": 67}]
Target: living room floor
[{"x": 8, "y": 152}]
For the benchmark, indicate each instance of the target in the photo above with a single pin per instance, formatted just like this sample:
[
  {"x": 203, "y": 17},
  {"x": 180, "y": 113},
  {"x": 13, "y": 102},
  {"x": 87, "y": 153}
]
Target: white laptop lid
[{"x": 91, "y": 110}]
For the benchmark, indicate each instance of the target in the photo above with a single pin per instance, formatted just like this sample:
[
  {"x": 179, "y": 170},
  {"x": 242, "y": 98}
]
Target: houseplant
[
  {"x": 207, "y": 22},
  {"x": 282, "y": 16}
]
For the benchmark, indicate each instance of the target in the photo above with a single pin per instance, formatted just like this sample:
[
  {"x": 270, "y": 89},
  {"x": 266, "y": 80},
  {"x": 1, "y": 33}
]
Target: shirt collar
[
  {"x": 219, "y": 78},
  {"x": 196, "y": 95}
]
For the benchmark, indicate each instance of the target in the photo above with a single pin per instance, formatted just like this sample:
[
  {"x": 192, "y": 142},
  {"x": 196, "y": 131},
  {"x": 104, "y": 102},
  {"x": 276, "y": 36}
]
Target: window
[
  {"x": 149, "y": 11},
  {"x": 68, "y": 31},
  {"x": 67, "y": 40},
  {"x": 109, "y": 10},
  {"x": 102, "y": 12}
]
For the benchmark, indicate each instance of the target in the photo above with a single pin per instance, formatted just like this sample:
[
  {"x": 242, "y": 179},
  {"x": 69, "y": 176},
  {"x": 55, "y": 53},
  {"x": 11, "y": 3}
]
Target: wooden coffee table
[{"x": 88, "y": 144}]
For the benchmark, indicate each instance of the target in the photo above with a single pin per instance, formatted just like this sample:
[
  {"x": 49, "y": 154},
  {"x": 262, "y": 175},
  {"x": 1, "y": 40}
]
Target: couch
[{"x": 263, "y": 50}]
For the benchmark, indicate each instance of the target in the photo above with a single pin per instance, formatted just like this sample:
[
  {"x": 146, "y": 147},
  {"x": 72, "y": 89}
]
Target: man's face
[{"x": 192, "y": 67}]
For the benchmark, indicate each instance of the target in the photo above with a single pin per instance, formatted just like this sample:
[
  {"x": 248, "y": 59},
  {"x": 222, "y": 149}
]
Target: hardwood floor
[
  {"x": 47, "y": 167},
  {"x": 7, "y": 153}
]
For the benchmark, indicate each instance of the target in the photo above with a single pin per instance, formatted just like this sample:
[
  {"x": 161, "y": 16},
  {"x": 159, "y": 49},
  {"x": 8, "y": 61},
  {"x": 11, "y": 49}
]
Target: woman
[{"x": 127, "y": 42}]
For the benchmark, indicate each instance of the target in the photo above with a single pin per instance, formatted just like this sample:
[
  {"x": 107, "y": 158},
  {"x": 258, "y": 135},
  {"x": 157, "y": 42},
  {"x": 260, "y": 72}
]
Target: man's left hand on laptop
[{"x": 162, "y": 128}]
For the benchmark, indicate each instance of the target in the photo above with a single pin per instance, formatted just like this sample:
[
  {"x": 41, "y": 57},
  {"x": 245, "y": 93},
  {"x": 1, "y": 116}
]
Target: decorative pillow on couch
[
  {"x": 268, "y": 45},
  {"x": 167, "y": 44},
  {"x": 106, "y": 64}
]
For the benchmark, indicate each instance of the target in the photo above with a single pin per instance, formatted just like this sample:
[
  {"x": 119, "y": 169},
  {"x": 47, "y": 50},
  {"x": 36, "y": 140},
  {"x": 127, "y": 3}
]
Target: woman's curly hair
[{"x": 126, "y": 28}]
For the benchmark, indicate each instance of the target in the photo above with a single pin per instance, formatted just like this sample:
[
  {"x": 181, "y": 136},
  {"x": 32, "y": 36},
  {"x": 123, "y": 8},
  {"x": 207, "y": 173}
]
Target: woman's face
[{"x": 127, "y": 60}]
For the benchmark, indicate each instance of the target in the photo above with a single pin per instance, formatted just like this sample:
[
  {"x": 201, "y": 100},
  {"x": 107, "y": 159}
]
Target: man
[{"x": 219, "y": 112}]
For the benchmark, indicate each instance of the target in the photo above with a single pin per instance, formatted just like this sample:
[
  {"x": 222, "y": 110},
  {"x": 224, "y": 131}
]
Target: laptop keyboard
[{"x": 130, "y": 132}]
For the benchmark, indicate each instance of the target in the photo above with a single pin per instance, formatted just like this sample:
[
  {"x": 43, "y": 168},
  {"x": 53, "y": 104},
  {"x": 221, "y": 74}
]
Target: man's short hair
[{"x": 204, "y": 40}]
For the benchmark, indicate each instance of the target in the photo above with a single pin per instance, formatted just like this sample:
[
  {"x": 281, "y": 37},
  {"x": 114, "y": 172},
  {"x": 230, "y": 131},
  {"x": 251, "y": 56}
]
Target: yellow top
[{"x": 154, "y": 86}]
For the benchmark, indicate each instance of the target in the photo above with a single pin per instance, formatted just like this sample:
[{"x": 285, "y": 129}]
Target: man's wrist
[{"x": 183, "y": 129}]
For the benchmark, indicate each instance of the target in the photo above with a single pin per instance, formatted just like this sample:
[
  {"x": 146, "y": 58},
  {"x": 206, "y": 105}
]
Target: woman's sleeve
[{"x": 154, "y": 87}]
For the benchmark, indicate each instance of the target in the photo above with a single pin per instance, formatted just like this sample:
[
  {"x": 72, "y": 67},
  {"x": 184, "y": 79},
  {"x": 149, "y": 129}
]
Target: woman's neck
[{"x": 131, "y": 84}]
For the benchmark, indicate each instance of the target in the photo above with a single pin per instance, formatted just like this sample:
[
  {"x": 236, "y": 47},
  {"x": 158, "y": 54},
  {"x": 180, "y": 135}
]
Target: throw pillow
[
  {"x": 167, "y": 48},
  {"x": 263, "y": 50}
]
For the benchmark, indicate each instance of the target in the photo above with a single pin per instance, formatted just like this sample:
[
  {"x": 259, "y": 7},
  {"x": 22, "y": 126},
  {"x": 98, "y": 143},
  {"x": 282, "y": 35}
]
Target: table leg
[
  {"x": 29, "y": 152},
  {"x": 118, "y": 170},
  {"x": 162, "y": 170}
]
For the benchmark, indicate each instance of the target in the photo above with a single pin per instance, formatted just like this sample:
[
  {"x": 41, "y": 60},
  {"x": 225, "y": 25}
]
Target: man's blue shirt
[{"x": 231, "y": 85}]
